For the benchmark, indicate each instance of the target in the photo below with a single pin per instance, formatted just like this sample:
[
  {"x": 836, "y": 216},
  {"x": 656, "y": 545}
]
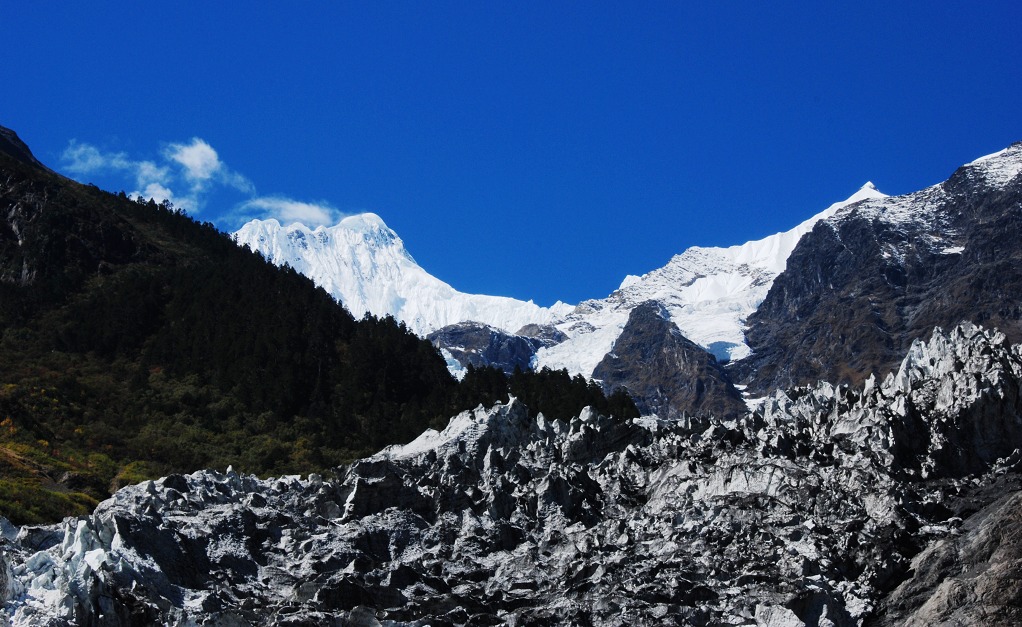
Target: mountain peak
[
  {"x": 364, "y": 222},
  {"x": 1000, "y": 167},
  {"x": 364, "y": 264},
  {"x": 868, "y": 190},
  {"x": 11, "y": 144}
]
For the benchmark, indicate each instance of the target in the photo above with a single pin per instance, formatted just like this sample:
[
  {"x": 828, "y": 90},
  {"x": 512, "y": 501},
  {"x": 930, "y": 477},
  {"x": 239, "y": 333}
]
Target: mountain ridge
[
  {"x": 865, "y": 283},
  {"x": 135, "y": 341},
  {"x": 867, "y": 495},
  {"x": 365, "y": 265},
  {"x": 709, "y": 292},
  {"x": 721, "y": 287}
]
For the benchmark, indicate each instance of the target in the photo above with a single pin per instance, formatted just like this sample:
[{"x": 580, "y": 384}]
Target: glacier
[{"x": 807, "y": 511}]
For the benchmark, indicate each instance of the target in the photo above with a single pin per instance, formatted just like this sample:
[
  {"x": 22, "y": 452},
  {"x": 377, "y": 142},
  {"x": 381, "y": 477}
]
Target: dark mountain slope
[
  {"x": 12, "y": 146},
  {"x": 129, "y": 332},
  {"x": 862, "y": 286},
  {"x": 135, "y": 342},
  {"x": 668, "y": 374}
]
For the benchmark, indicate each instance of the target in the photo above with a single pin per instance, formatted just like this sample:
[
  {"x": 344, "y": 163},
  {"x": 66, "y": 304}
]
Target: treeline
[
  {"x": 135, "y": 341},
  {"x": 554, "y": 393}
]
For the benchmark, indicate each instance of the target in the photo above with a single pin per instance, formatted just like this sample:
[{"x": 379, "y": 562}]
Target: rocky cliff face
[
  {"x": 477, "y": 344},
  {"x": 11, "y": 144},
  {"x": 864, "y": 284},
  {"x": 808, "y": 510},
  {"x": 968, "y": 578},
  {"x": 667, "y": 374}
]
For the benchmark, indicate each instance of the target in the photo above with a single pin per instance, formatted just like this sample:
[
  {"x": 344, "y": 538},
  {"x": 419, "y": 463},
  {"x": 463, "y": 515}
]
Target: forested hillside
[{"x": 135, "y": 341}]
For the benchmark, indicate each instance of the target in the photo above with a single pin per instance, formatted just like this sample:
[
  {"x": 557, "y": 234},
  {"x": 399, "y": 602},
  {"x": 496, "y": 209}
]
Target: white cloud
[
  {"x": 151, "y": 178},
  {"x": 200, "y": 163},
  {"x": 287, "y": 210},
  {"x": 147, "y": 172},
  {"x": 198, "y": 158},
  {"x": 194, "y": 166},
  {"x": 237, "y": 181},
  {"x": 87, "y": 159},
  {"x": 161, "y": 193}
]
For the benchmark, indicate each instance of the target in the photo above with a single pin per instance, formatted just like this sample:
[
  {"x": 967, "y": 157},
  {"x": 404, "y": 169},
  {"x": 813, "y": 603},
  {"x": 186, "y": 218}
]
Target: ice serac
[
  {"x": 365, "y": 265},
  {"x": 865, "y": 283},
  {"x": 810, "y": 510},
  {"x": 708, "y": 292}
]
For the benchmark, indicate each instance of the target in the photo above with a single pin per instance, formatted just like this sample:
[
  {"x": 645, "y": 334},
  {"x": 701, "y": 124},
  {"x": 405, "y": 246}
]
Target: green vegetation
[{"x": 135, "y": 342}]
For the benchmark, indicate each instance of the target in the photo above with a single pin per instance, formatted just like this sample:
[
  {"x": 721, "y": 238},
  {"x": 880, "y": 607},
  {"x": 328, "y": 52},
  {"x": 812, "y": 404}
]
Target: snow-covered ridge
[
  {"x": 924, "y": 206},
  {"x": 365, "y": 266},
  {"x": 1000, "y": 167},
  {"x": 709, "y": 293}
]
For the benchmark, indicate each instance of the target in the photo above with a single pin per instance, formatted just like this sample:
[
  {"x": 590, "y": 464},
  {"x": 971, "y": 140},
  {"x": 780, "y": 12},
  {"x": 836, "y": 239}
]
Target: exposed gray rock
[
  {"x": 477, "y": 344},
  {"x": 665, "y": 373},
  {"x": 863, "y": 285},
  {"x": 973, "y": 577},
  {"x": 808, "y": 510},
  {"x": 545, "y": 333}
]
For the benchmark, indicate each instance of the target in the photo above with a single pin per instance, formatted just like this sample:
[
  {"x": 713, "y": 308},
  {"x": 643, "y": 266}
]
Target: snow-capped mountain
[
  {"x": 745, "y": 304},
  {"x": 885, "y": 271},
  {"x": 849, "y": 493},
  {"x": 708, "y": 292},
  {"x": 364, "y": 264}
]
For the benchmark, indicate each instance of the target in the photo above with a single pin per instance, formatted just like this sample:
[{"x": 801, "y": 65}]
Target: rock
[
  {"x": 967, "y": 579},
  {"x": 11, "y": 144},
  {"x": 863, "y": 285},
  {"x": 823, "y": 505},
  {"x": 477, "y": 344},
  {"x": 665, "y": 373}
]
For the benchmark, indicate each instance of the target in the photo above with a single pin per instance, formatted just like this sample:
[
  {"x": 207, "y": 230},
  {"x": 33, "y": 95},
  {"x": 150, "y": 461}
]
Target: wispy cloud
[
  {"x": 85, "y": 159},
  {"x": 288, "y": 210},
  {"x": 151, "y": 179},
  {"x": 198, "y": 159},
  {"x": 192, "y": 167},
  {"x": 201, "y": 164},
  {"x": 185, "y": 173}
]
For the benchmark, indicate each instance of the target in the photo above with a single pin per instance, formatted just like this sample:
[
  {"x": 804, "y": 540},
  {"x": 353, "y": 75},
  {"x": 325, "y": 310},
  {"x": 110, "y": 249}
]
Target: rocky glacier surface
[{"x": 824, "y": 505}]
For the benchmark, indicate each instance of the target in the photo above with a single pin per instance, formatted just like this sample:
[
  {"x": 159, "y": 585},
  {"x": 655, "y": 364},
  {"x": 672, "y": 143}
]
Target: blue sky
[{"x": 535, "y": 150}]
